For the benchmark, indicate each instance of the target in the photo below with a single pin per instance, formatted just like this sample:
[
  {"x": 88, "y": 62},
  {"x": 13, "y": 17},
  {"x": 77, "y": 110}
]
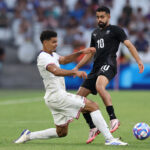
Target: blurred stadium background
[{"x": 21, "y": 22}]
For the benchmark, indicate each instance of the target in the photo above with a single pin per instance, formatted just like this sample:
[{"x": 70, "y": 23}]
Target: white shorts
[{"x": 64, "y": 106}]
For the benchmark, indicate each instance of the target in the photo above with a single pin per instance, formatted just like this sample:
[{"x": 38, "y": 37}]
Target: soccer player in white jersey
[{"x": 63, "y": 105}]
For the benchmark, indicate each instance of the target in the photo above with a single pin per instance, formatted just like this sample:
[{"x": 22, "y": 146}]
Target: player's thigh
[
  {"x": 72, "y": 104},
  {"x": 62, "y": 131},
  {"x": 83, "y": 91},
  {"x": 90, "y": 106},
  {"x": 90, "y": 85},
  {"x": 101, "y": 82},
  {"x": 105, "y": 74}
]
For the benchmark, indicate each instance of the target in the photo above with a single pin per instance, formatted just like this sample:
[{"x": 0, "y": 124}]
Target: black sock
[
  {"x": 88, "y": 119},
  {"x": 110, "y": 111}
]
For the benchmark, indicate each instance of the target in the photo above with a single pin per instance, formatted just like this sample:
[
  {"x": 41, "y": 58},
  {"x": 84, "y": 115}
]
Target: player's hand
[
  {"x": 89, "y": 50},
  {"x": 81, "y": 74},
  {"x": 141, "y": 66},
  {"x": 75, "y": 69}
]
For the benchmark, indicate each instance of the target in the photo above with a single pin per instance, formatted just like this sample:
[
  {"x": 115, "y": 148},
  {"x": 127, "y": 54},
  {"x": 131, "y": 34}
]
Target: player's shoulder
[
  {"x": 43, "y": 54},
  {"x": 115, "y": 27},
  {"x": 95, "y": 30},
  {"x": 55, "y": 54}
]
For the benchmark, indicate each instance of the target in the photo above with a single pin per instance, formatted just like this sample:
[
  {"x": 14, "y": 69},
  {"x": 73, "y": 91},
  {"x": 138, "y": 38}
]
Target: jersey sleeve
[
  {"x": 120, "y": 34},
  {"x": 44, "y": 60}
]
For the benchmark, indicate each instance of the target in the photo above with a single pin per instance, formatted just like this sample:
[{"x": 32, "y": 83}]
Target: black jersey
[{"x": 106, "y": 41}]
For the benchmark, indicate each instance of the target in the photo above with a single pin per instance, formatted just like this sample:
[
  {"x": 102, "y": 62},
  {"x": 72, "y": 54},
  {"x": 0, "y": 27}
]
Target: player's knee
[
  {"x": 100, "y": 88},
  {"x": 94, "y": 106},
  {"x": 62, "y": 134},
  {"x": 90, "y": 106},
  {"x": 78, "y": 93}
]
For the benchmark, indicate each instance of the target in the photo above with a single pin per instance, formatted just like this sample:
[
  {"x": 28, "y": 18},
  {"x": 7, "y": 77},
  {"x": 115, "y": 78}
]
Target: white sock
[
  {"x": 101, "y": 125},
  {"x": 44, "y": 134}
]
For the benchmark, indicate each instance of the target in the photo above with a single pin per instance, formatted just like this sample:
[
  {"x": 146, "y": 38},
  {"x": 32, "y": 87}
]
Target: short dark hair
[
  {"x": 47, "y": 35},
  {"x": 103, "y": 8}
]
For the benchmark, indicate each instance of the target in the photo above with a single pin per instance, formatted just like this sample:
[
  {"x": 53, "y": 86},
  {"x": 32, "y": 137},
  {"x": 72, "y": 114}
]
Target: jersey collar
[
  {"x": 105, "y": 28},
  {"x": 45, "y": 52}
]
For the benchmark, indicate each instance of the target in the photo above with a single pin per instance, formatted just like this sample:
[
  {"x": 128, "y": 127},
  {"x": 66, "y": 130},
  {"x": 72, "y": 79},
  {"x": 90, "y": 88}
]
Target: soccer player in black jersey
[{"x": 106, "y": 39}]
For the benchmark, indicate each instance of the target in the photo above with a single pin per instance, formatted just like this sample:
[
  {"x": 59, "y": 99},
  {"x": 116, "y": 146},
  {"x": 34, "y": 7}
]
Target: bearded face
[
  {"x": 102, "y": 19},
  {"x": 102, "y": 24}
]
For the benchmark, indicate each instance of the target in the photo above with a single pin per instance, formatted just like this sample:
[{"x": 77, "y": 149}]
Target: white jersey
[
  {"x": 63, "y": 105},
  {"x": 52, "y": 83}
]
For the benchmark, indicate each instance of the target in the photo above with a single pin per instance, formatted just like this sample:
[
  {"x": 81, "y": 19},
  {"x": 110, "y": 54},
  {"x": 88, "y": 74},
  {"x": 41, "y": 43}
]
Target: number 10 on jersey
[{"x": 100, "y": 43}]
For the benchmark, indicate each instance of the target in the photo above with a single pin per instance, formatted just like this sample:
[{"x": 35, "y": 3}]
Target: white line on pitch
[
  {"x": 20, "y": 101},
  {"x": 24, "y": 121}
]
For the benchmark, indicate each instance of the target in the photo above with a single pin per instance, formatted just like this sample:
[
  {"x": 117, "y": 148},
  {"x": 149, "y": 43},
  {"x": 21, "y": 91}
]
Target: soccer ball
[{"x": 141, "y": 131}]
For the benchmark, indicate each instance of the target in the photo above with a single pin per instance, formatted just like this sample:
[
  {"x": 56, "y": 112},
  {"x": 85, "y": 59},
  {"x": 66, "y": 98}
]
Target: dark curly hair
[
  {"x": 47, "y": 35},
  {"x": 103, "y": 9}
]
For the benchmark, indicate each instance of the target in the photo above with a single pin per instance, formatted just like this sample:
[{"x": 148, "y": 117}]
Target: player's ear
[
  {"x": 108, "y": 16},
  {"x": 44, "y": 42}
]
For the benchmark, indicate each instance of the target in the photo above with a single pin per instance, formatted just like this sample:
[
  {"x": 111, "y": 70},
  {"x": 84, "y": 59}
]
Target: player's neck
[
  {"x": 105, "y": 27},
  {"x": 47, "y": 51}
]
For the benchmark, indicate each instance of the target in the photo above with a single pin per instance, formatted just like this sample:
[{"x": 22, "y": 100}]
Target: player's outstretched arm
[
  {"x": 134, "y": 53},
  {"x": 72, "y": 57},
  {"x": 62, "y": 72},
  {"x": 84, "y": 61}
]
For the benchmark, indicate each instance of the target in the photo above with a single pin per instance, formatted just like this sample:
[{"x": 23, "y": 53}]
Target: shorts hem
[
  {"x": 92, "y": 92},
  {"x": 65, "y": 124},
  {"x": 104, "y": 76},
  {"x": 78, "y": 114}
]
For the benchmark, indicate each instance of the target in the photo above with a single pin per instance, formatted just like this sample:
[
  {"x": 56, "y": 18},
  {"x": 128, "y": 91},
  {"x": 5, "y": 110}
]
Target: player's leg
[
  {"x": 97, "y": 118},
  {"x": 100, "y": 123},
  {"x": 82, "y": 91},
  {"x": 62, "y": 131},
  {"x": 59, "y": 131},
  {"x": 85, "y": 91},
  {"x": 27, "y": 135},
  {"x": 101, "y": 84}
]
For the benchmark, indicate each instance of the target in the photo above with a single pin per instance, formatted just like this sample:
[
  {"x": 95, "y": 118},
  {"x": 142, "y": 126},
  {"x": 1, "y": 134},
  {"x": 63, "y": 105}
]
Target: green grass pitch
[{"x": 26, "y": 109}]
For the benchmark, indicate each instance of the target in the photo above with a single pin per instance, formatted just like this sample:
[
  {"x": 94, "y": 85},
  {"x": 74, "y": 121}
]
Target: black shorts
[{"x": 106, "y": 70}]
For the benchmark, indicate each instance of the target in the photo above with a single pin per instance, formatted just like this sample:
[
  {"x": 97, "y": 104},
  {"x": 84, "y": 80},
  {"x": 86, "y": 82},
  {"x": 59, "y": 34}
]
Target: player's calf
[{"x": 61, "y": 134}]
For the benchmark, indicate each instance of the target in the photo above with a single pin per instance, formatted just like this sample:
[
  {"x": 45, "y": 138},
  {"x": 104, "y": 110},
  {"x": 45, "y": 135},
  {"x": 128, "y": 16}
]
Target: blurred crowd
[
  {"x": 137, "y": 26},
  {"x": 21, "y": 22}
]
